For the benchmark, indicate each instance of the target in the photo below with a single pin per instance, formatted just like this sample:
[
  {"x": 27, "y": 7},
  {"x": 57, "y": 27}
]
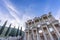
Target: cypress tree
[
  {"x": 1, "y": 30},
  {"x": 20, "y": 32},
  {"x": 7, "y": 30},
  {"x": 17, "y": 33},
  {"x": 13, "y": 32}
]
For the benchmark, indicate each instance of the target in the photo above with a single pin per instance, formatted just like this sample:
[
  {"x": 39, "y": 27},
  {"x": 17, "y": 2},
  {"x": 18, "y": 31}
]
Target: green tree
[
  {"x": 13, "y": 32},
  {"x": 1, "y": 30},
  {"x": 17, "y": 33},
  {"x": 7, "y": 30},
  {"x": 20, "y": 32}
]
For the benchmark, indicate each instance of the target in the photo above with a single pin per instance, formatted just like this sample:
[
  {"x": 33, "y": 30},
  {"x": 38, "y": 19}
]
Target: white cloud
[
  {"x": 3, "y": 18},
  {"x": 58, "y": 15},
  {"x": 14, "y": 13}
]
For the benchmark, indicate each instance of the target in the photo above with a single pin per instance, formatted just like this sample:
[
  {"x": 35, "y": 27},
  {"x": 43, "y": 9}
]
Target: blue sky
[{"x": 18, "y": 11}]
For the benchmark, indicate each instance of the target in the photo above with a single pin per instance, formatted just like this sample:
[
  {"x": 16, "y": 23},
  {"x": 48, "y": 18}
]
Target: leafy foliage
[
  {"x": 20, "y": 32},
  {"x": 7, "y": 30},
  {"x": 1, "y": 30},
  {"x": 17, "y": 33},
  {"x": 13, "y": 32}
]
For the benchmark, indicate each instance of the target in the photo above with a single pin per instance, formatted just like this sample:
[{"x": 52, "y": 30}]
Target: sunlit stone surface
[{"x": 45, "y": 27}]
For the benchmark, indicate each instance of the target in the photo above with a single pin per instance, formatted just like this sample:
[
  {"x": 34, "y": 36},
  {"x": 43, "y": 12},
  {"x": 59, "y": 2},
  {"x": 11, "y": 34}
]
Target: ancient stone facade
[{"x": 45, "y": 27}]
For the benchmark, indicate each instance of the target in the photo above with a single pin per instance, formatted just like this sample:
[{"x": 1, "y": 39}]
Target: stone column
[
  {"x": 49, "y": 33},
  {"x": 32, "y": 34},
  {"x": 38, "y": 36},
  {"x": 25, "y": 36},
  {"x": 28, "y": 34},
  {"x": 44, "y": 34},
  {"x": 58, "y": 35}
]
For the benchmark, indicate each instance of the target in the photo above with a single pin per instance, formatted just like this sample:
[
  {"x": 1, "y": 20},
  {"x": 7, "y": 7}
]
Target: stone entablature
[
  {"x": 40, "y": 20},
  {"x": 45, "y": 27}
]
